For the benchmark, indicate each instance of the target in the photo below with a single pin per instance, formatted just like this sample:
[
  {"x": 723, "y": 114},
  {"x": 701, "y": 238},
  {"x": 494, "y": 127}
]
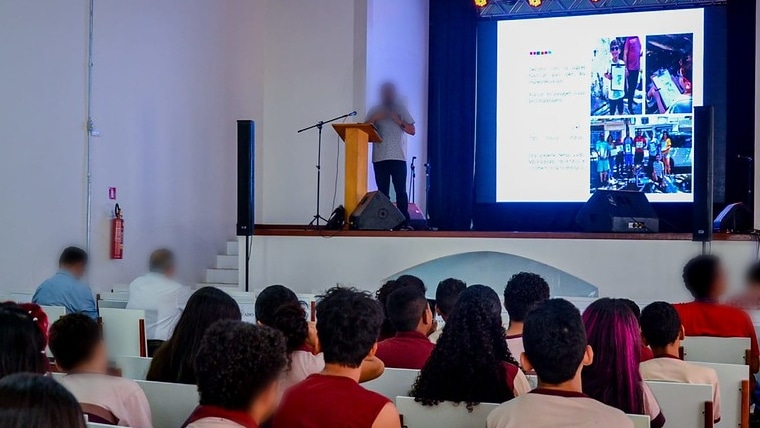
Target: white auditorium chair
[
  {"x": 170, "y": 403},
  {"x": 393, "y": 383},
  {"x": 735, "y": 392},
  {"x": 685, "y": 405},
  {"x": 640, "y": 421},
  {"x": 722, "y": 350},
  {"x": 446, "y": 414},
  {"x": 135, "y": 368},
  {"x": 112, "y": 304},
  {"x": 124, "y": 331},
  {"x": 246, "y": 301},
  {"x": 94, "y": 425},
  {"x": 20, "y": 296}
]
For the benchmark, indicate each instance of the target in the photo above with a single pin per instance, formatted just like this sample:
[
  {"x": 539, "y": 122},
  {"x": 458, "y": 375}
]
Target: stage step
[
  {"x": 224, "y": 261},
  {"x": 222, "y": 276},
  {"x": 232, "y": 248}
]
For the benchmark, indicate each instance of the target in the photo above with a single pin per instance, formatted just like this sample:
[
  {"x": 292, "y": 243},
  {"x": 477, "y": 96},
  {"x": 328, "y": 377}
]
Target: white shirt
[
  {"x": 120, "y": 396},
  {"x": 302, "y": 365},
  {"x": 214, "y": 423},
  {"x": 162, "y": 299},
  {"x": 674, "y": 370},
  {"x": 515, "y": 345}
]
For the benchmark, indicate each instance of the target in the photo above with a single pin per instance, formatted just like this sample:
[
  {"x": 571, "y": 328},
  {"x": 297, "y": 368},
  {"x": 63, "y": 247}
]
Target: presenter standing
[{"x": 393, "y": 123}]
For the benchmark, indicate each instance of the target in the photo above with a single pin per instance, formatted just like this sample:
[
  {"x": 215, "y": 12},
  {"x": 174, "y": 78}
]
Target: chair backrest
[
  {"x": 446, "y": 414},
  {"x": 20, "y": 296},
  {"x": 53, "y": 313},
  {"x": 170, "y": 403},
  {"x": 97, "y": 425},
  {"x": 684, "y": 404},
  {"x": 733, "y": 381},
  {"x": 393, "y": 383},
  {"x": 723, "y": 350},
  {"x": 112, "y": 304},
  {"x": 135, "y": 368},
  {"x": 124, "y": 331},
  {"x": 246, "y": 301},
  {"x": 640, "y": 421}
]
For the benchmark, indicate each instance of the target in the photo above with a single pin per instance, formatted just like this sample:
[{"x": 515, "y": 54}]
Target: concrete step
[
  {"x": 222, "y": 276},
  {"x": 224, "y": 261},
  {"x": 232, "y": 248}
]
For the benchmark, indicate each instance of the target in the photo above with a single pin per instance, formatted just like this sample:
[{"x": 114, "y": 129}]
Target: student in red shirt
[
  {"x": 387, "y": 331},
  {"x": 410, "y": 313},
  {"x": 706, "y": 281},
  {"x": 238, "y": 366},
  {"x": 471, "y": 363},
  {"x": 348, "y": 323}
]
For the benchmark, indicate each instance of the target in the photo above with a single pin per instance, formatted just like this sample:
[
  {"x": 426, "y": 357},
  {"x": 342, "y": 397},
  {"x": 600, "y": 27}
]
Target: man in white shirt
[{"x": 162, "y": 298}]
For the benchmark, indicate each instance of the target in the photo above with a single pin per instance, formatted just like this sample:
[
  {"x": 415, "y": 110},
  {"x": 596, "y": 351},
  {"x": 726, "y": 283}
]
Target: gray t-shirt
[{"x": 393, "y": 146}]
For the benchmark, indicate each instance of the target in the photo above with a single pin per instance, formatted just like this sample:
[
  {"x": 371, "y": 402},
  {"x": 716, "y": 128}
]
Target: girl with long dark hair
[
  {"x": 29, "y": 400},
  {"x": 23, "y": 339}
]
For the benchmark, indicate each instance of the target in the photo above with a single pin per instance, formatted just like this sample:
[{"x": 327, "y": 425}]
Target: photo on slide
[
  {"x": 644, "y": 154},
  {"x": 616, "y": 76},
  {"x": 669, "y": 73}
]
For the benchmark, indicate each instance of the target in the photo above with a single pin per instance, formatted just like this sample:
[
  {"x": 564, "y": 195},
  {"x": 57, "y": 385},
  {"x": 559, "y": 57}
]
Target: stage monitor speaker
[
  {"x": 245, "y": 136},
  {"x": 416, "y": 217},
  {"x": 702, "y": 151},
  {"x": 735, "y": 218},
  {"x": 376, "y": 212},
  {"x": 618, "y": 211}
]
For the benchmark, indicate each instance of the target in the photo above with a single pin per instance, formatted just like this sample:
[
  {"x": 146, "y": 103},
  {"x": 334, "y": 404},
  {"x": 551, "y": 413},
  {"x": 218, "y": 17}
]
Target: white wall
[
  {"x": 397, "y": 51},
  {"x": 642, "y": 270},
  {"x": 42, "y": 134}
]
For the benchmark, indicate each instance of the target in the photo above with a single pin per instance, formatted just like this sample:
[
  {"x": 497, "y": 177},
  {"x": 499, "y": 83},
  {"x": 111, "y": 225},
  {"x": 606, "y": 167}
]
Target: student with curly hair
[
  {"x": 613, "y": 378},
  {"x": 238, "y": 366},
  {"x": 348, "y": 322},
  {"x": 522, "y": 292},
  {"x": 556, "y": 348},
  {"x": 277, "y": 306},
  {"x": 174, "y": 361},
  {"x": 471, "y": 362},
  {"x": 22, "y": 404},
  {"x": 79, "y": 350},
  {"x": 22, "y": 339}
]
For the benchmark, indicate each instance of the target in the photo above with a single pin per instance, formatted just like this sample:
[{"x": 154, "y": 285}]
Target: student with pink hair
[{"x": 614, "y": 378}]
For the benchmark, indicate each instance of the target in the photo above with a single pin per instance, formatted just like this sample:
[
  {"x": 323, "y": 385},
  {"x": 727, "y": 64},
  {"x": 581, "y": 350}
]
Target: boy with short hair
[
  {"x": 79, "y": 350},
  {"x": 705, "y": 316},
  {"x": 410, "y": 313},
  {"x": 523, "y": 291},
  {"x": 348, "y": 324},
  {"x": 446, "y": 295},
  {"x": 556, "y": 348},
  {"x": 237, "y": 368},
  {"x": 661, "y": 329}
]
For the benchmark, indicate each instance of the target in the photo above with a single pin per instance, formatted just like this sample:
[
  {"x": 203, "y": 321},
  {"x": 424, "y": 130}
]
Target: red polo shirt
[
  {"x": 714, "y": 319},
  {"x": 407, "y": 350}
]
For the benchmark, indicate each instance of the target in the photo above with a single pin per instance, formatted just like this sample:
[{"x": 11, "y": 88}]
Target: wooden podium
[{"x": 357, "y": 137}]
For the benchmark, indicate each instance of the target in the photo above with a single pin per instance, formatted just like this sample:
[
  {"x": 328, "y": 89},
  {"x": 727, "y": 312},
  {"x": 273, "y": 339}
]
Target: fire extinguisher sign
[{"x": 117, "y": 235}]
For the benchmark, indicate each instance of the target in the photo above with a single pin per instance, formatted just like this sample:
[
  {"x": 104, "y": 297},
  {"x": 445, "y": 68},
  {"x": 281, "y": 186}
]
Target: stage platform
[{"x": 298, "y": 230}]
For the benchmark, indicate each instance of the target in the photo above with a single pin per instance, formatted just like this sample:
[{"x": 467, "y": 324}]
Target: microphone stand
[
  {"x": 411, "y": 182},
  {"x": 317, "y": 217}
]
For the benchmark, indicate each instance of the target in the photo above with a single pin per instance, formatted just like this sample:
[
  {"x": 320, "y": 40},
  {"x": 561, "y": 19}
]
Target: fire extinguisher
[{"x": 117, "y": 235}]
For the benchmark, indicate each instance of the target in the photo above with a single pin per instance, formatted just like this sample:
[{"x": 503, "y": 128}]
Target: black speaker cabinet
[
  {"x": 245, "y": 135},
  {"x": 618, "y": 211},
  {"x": 376, "y": 212},
  {"x": 702, "y": 150}
]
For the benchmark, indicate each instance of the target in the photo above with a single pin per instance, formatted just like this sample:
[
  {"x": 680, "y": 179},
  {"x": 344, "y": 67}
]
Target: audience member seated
[
  {"x": 65, "y": 287},
  {"x": 522, "y": 292},
  {"x": 23, "y": 339},
  {"x": 160, "y": 296},
  {"x": 277, "y": 306},
  {"x": 29, "y": 400},
  {"x": 385, "y": 290},
  {"x": 79, "y": 350},
  {"x": 706, "y": 281},
  {"x": 749, "y": 299},
  {"x": 556, "y": 348},
  {"x": 410, "y": 313},
  {"x": 175, "y": 360},
  {"x": 613, "y": 377},
  {"x": 662, "y": 330},
  {"x": 238, "y": 367},
  {"x": 471, "y": 362},
  {"x": 348, "y": 324},
  {"x": 446, "y": 296},
  {"x": 646, "y": 353}
]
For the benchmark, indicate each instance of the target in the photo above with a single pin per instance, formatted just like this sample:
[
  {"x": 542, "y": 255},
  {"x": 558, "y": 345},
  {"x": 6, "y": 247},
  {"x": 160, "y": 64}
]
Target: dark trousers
[
  {"x": 616, "y": 106},
  {"x": 630, "y": 90},
  {"x": 395, "y": 171}
]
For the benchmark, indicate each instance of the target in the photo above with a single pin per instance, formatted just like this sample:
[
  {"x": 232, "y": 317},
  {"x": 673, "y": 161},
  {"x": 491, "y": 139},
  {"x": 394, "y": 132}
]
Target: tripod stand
[{"x": 319, "y": 125}]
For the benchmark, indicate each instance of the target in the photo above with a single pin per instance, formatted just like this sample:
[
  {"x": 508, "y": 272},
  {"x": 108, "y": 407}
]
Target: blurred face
[
  {"x": 388, "y": 94},
  {"x": 266, "y": 403},
  {"x": 77, "y": 270},
  {"x": 721, "y": 283},
  {"x": 100, "y": 358},
  {"x": 170, "y": 271}
]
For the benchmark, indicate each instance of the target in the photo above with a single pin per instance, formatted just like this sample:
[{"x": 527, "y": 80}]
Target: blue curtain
[{"x": 451, "y": 112}]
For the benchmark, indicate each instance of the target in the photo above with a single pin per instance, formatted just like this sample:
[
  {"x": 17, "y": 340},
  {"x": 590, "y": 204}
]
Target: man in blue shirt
[{"x": 65, "y": 288}]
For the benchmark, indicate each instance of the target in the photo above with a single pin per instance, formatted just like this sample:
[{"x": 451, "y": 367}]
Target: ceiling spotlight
[
  {"x": 535, "y": 3},
  {"x": 481, "y": 3}
]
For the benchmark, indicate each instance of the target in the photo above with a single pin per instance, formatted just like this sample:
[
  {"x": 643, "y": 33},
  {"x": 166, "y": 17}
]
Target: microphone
[
  {"x": 353, "y": 113},
  {"x": 746, "y": 158}
]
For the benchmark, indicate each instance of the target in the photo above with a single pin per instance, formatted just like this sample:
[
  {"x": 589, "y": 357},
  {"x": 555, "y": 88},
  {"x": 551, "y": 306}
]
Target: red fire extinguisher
[{"x": 117, "y": 234}]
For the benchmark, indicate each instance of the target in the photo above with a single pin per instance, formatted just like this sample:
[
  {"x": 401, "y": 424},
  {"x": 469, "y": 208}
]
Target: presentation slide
[{"x": 598, "y": 102}]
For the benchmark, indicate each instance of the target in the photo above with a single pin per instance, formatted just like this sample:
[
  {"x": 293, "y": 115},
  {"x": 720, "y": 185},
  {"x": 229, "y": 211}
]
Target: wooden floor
[{"x": 298, "y": 230}]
